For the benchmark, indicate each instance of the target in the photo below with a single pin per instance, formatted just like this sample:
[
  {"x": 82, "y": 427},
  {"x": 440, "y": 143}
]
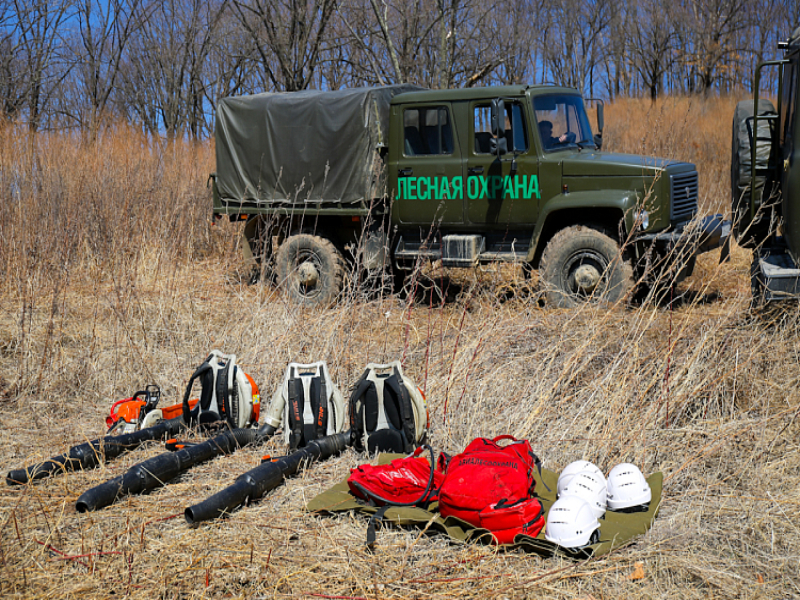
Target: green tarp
[
  {"x": 616, "y": 529},
  {"x": 303, "y": 147}
]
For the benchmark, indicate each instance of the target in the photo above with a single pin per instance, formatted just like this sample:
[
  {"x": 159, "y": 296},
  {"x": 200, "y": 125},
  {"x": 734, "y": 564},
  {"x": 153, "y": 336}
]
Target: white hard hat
[
  {"x": 573, "y": 469},
  {"x": 570, "y": 522},
  {"x": 591, "y": 487},
  {"x": 627, "y": 487}
]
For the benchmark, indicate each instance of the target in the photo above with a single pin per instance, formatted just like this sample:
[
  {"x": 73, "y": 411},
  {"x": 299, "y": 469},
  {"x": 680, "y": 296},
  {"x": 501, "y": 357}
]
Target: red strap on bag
[
  {"x": 408, "y": 481},
  {"x": 486, "y": 474}
]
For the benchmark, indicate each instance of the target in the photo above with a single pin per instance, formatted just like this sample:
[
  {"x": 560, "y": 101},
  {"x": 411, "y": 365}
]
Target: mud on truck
[{"x": 378, "y": 179}]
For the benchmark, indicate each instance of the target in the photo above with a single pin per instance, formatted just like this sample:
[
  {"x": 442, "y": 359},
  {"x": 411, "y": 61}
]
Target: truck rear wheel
[
  {"x": 581, "y": 265},
  {"x": 310, "y": 269}
]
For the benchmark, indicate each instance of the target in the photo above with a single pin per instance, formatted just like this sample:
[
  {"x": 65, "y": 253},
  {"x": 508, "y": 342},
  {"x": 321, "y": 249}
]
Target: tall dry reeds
[
  {"x": 691, "y": 129},
  {"x": 101, "y": 204},
  {"x": 102, "y": 216}
]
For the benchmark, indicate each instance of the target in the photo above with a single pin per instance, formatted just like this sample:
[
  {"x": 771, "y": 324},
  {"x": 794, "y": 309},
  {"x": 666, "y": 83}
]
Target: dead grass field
[{"x": 113, "y": 278}]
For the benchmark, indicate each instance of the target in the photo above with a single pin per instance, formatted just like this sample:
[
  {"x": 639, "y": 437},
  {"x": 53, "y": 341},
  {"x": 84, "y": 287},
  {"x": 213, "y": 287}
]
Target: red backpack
[
  {"x": 407, "y": 481},
  {"x": 492, "y": 487}
]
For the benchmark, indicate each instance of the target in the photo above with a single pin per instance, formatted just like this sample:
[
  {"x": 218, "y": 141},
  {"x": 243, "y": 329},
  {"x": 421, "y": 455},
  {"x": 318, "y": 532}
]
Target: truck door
[
  {"x": 428, "y": 186},
  {"x": 502, "y": 191}
]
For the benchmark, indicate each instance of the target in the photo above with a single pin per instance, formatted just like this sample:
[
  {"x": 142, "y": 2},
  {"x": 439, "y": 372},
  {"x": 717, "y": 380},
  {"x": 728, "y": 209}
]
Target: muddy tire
[
  {"x": 310, "y": 270},
  {"x": 583, "y": 265}
]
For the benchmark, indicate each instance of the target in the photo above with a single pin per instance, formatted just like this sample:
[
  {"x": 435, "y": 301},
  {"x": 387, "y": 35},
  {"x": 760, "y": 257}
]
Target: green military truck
[
  {"x": 765, "y": 178},
  {"x": 362, "y": 180}
]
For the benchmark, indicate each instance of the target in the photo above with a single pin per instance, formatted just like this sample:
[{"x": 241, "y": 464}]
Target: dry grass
[
  {"x": 113, "y": 278},
  {"x": 692, "y": 129}
]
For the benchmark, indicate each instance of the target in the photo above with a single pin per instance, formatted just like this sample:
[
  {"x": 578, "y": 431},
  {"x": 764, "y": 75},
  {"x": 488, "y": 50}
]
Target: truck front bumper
[{"x": 692, "y": 238}]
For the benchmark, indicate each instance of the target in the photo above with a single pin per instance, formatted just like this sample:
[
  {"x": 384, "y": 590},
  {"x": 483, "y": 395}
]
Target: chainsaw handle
[{"x": 153, "y": 393}]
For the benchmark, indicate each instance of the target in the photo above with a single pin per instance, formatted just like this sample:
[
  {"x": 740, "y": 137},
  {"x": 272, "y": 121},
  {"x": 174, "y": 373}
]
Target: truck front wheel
[
  {"x": 580, "y": 265},
  {"x": 310, "y": 269}
]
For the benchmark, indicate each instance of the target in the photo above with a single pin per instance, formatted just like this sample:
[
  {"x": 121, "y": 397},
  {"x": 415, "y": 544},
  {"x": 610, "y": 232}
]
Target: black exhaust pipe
[
  {"x": 264, "y": 478},
  {"x": 89, "y": 454},
  {"x": 157, "y": 471}
]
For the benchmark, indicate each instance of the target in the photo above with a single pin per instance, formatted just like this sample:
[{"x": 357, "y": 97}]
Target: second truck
[{"x": 765, "y": 178}]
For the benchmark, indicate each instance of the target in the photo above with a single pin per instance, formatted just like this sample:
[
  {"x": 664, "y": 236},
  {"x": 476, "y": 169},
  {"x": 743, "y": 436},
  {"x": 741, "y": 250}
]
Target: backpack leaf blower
[
  {"x": 388, "y": 412},
  {"x": 308, "y": 405},
  {"x": 229, "y": 398},
  {"x": 266, "y": 477},
  {"x": 228, "y": 393},
  {"x": 89, "y": 454},
  {"x": 159, "y": 470}
]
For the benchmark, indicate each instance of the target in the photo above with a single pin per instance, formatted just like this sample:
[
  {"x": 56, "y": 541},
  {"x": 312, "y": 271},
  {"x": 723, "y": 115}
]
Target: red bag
[
  {"x": 505, "y": 521},
  {"x": 403, "y": 482},
  {"x": 491, "y": 486}
]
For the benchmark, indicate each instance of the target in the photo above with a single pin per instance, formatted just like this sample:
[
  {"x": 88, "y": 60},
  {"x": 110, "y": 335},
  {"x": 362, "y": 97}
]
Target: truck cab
[{"x": 516, "y": 174}]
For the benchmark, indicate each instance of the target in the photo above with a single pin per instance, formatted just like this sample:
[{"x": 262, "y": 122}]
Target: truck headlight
[{"x": 642, "y": 218}]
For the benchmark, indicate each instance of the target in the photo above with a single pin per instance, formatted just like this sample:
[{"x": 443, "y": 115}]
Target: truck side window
[
  {"x": 516, "y": 133},
  {"x": 483, "y": 129},
  {"x": 427, "y": 131},
  {"x": 515, "y": 128}
]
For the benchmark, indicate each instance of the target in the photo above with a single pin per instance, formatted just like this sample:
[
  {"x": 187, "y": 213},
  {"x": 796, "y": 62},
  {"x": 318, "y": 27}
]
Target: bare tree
[
  {"x": 517, "y": 44},
  {"x": 651, "y": 44},
  {"x": 354, "y": 55},
  {"x": 165, "y": 70},
  {"x": 758, "y": 41},
  {"x": 573, "y": 45},
  {"x": 104, "y": 29},
  {"x": 231, "y": 66},
  {"x": 707, "y": 30},
  {"x": 615, "y": 46},
  {"x": 38, "y": 45},
  {"x": 13, "y": 75},
  {"x": 165, "y": 63},
  {"x": 480, "y": 39},
  {"x": 202, "y": 29},
  {"x": 289, "y": 37}
]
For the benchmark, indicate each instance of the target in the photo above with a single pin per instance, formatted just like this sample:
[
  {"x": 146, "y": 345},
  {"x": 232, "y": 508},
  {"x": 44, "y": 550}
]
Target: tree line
[{"x": 163, "y": 64}]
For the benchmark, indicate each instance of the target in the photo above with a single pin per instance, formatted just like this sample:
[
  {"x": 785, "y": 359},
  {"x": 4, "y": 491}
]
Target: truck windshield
[{"x": 562, "y": 121}]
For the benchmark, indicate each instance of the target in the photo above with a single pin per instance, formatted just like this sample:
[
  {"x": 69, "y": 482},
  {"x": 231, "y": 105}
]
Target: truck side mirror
[
  {"x": 498, "y": 143},
  {"x": 598, "y": 137}
]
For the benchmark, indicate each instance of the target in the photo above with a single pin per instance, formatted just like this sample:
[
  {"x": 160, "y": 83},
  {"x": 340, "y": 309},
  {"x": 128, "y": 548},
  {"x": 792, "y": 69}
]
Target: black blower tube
[
  {"x": 88, "y": 454},
  {"x": 157, "y": 471},
  {"x": 265, "y": 478}
]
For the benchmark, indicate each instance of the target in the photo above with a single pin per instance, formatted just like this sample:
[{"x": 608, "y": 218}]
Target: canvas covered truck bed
[{"x": 302, "y": 147}]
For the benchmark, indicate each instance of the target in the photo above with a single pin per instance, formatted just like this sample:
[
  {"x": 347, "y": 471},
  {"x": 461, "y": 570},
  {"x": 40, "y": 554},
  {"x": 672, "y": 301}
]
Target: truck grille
[{"x": 683, "y": 191}]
